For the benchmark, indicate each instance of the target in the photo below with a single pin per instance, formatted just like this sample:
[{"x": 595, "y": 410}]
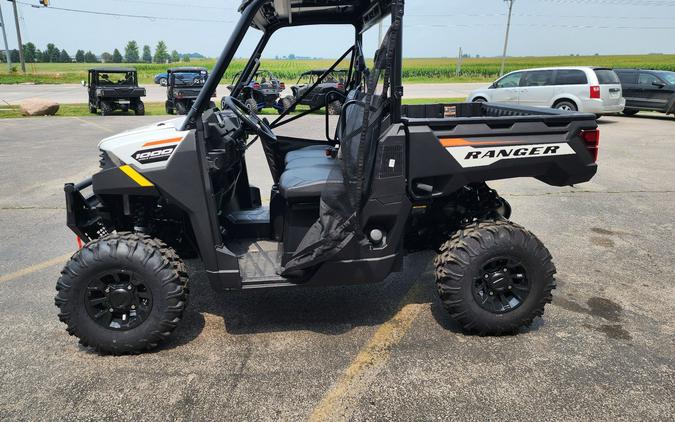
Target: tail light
[
  {"x": 256, "y": 85},
  {"x": 592, "y": 140},
  {"x": 595, "y": 91},
  {"x": 340, "y": 86},
  {"x": 282, "y": 85}
]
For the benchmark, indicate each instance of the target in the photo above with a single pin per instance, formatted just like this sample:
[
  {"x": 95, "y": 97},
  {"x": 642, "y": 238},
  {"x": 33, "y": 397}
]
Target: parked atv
[
  {"x": 330, "y": 93},
  {"x": 114, "y": 88},
  {"x": 390, "y": 180},
  {"x": 261, "y": 90},
  {"x": 183, "y": 87}
]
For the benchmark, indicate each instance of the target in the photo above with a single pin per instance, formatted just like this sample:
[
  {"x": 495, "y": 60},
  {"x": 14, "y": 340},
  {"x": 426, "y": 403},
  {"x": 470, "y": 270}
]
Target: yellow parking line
[
  {"x": 35, "y": 268},
  {"x": 106, "y": 129},
  {"x": 338, "y": 403}
]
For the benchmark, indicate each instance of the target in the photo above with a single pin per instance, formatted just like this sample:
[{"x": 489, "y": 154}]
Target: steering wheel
[{"x": 259, "y": 126}]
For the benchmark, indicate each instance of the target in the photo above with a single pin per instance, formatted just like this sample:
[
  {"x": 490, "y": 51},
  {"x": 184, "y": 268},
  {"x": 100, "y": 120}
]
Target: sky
[{"x": 433, "y": 28}]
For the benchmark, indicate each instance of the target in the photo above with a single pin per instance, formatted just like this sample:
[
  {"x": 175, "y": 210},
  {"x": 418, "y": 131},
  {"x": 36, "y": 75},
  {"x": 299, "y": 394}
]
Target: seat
[
  {"x": 309, "y": 182},
  {"x": 302, "y": 162},
  {"x": 314, "y": 151}
]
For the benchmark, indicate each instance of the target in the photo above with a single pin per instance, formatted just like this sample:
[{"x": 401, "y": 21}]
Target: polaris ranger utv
[
  {"x": 330, "y": 92},
  {"x": 261, "y": 90},
  {"x": 388, "y": 181},
  {"x": 114, "y": 88},
  {"x": 182, "y": 88}
]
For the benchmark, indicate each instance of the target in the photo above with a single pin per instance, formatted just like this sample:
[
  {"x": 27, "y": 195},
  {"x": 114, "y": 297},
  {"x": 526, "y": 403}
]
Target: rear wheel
[
  {"x": 168, "y": 108},
  {"x": 287, "y": 104},
  {"x": 494, "y": 277},
  {"x": 139, "y": 110},
  {"x": 479, "y": 100},
  {"x": 106, "y": 108},
  {"x": 123, "y": 293},
  {"x": 630, "y": 111},
  {"x": 565, "y": 105},
  {"x": 252, "y": 105}
]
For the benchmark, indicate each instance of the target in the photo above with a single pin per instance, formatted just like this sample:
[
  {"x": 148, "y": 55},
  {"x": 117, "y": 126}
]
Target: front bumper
[{"x": 81, "y": 215}]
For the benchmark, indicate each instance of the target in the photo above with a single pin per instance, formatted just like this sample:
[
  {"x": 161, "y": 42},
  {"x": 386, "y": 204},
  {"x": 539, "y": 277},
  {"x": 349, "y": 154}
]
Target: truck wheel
[
  {"x": 334, "y": 108},
  {"x": 565, "y": 105},
  {"x": 181, "y": 109},
  {"x": 252, "y": 105},
  {"x": 494, "y": 277},
  {"x": 630, "y": 111},
  {"x": 139, "y": 110},
  {"x": 122, "y": 293},
  {"x": 106, "y": 108}
]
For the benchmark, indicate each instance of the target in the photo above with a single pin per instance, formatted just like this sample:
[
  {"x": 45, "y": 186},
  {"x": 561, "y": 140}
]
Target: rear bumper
[{"x": 599, "y": 107}]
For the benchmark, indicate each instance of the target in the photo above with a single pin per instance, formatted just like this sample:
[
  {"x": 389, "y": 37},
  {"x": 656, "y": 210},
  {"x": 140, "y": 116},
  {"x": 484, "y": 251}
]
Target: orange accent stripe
[
  {"x": 162, "y": 142},
  {"x": 459, "y": 142}
]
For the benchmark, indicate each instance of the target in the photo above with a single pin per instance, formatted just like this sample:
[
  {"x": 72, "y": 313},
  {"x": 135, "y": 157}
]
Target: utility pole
[
  {"x": 506, "y": 38},
  {"x": 458, "y": 70},
  {"x": 18, "y": 36},
  {"x": 4, "y": 36}
]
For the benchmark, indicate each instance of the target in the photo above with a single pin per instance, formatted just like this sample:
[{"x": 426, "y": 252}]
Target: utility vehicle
[
  {"x": 330, "y": 92},
  {"x": 390, "y": 180},
  {"x": 262, "y": 89},
  {"x": 183, "y": 87},
  {"x": 114, "y": 88}
]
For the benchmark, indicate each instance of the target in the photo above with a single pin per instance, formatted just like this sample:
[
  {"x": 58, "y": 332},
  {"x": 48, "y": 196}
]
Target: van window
[
  {"x": 647, "y": 79},
  {"x": 606, "y": 77},
  {"x": 511, "y": 80},
  {"x": 570, "y": 77},
  {"x": 627, "y": 77},
  {"x": 538, "y": 78}
]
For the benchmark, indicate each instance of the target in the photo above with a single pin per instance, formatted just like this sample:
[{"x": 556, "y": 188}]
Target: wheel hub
[
  {"x": 501, "y": 285},
  {"x": 118, "y": 300}
]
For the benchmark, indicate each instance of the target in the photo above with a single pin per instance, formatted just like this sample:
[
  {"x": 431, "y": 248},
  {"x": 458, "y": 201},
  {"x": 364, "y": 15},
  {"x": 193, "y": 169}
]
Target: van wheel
[
  {"x": 494, "y": 277},
  {"x": 479, "y": 100},
  {"x": 122, "y": 293},
  {"x": 566, "y": 105},
  {"x": 630, "y": 111}
]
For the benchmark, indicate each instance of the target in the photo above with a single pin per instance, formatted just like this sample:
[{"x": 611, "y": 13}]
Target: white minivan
[{"x": 586, "y": 89}]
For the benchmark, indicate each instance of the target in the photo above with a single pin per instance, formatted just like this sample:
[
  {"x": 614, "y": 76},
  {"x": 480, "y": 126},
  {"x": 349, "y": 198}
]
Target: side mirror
[
  {"x": 658, "y": 84},
  {"x": 84, "y": 83},
  {"x": 493, "y": 86}
]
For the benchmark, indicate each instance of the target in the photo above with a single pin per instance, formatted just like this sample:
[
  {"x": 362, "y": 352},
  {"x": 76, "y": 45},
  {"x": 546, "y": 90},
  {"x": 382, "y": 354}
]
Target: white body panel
[{"x": 124, "y": 145}]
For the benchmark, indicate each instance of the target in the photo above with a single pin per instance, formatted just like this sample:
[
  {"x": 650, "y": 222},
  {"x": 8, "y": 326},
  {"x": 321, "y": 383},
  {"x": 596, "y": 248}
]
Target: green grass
[
  {"x": 415, "y": 70},
  {"x": 157, "y": 109}
]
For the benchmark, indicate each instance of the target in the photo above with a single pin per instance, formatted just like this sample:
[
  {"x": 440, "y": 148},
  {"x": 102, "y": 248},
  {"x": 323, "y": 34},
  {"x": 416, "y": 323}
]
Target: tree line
[{"x": 132, "y": 54}]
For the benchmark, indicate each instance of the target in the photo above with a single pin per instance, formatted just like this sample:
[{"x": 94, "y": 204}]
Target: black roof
[
  {"x": 112, "y": 69},
  {"x": 280, "y": 13},
  {"x": 187, "y": 69}
]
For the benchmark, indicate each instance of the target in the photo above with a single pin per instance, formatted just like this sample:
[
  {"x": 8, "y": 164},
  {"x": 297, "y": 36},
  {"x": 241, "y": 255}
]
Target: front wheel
[
  {"x": 122, "y": 293},
  {"x": 252, "y": 105},
  {"x": 494, "y": 277},
  {"x": 139, "y": 110}
]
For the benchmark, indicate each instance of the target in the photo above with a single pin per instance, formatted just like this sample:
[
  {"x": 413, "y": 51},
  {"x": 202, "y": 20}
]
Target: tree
[
  {"x": 79, "y": 56},
  {"x": 39, "y": 56},
  {"x": 131, "y": 52},
  {"x": 161, "y": 54},
  {"x": 175, "y": 57},
  {"x": 64, "y": 57},
  {"x": 107, "y": 57},
  {"x": 186, "y": 58},
  {"x": 147, "y": 54},
  {"x": 117, "y": 56},
  {"x": 90, "y": 57},
  {"x": 14, "y": 55},
  {"x": 51, "y": 54},
  {"x": 29, "y": 52}
]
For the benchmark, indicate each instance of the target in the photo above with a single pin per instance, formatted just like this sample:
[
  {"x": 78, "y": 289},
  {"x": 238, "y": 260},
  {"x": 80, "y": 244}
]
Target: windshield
[
  {"x": 668, "y": 77},
  {"x": 116, "y": 78}
]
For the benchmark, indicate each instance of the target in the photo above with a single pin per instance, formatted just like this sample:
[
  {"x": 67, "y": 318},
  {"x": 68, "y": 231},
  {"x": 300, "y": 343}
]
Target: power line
[
  {"x": 166, "y": 4},
  {"x": 124, "y": 15}
]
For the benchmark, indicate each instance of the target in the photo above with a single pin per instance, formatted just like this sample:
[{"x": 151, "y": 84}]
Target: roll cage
[{"x": 269, "y": 16}]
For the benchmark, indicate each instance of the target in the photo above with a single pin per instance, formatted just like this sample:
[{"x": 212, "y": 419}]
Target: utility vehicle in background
[
  {"x": 390, "y": 180},
  {"x": 183, "y": 87},
  {"x": 330, "y": 92},
  {"x": 114, "y": 88},
  {"x": 261, "y": 90}
]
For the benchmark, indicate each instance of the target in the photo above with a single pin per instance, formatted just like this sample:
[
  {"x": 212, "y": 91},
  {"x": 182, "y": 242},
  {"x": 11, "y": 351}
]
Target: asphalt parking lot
[{"x": 605, "y": 349}]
